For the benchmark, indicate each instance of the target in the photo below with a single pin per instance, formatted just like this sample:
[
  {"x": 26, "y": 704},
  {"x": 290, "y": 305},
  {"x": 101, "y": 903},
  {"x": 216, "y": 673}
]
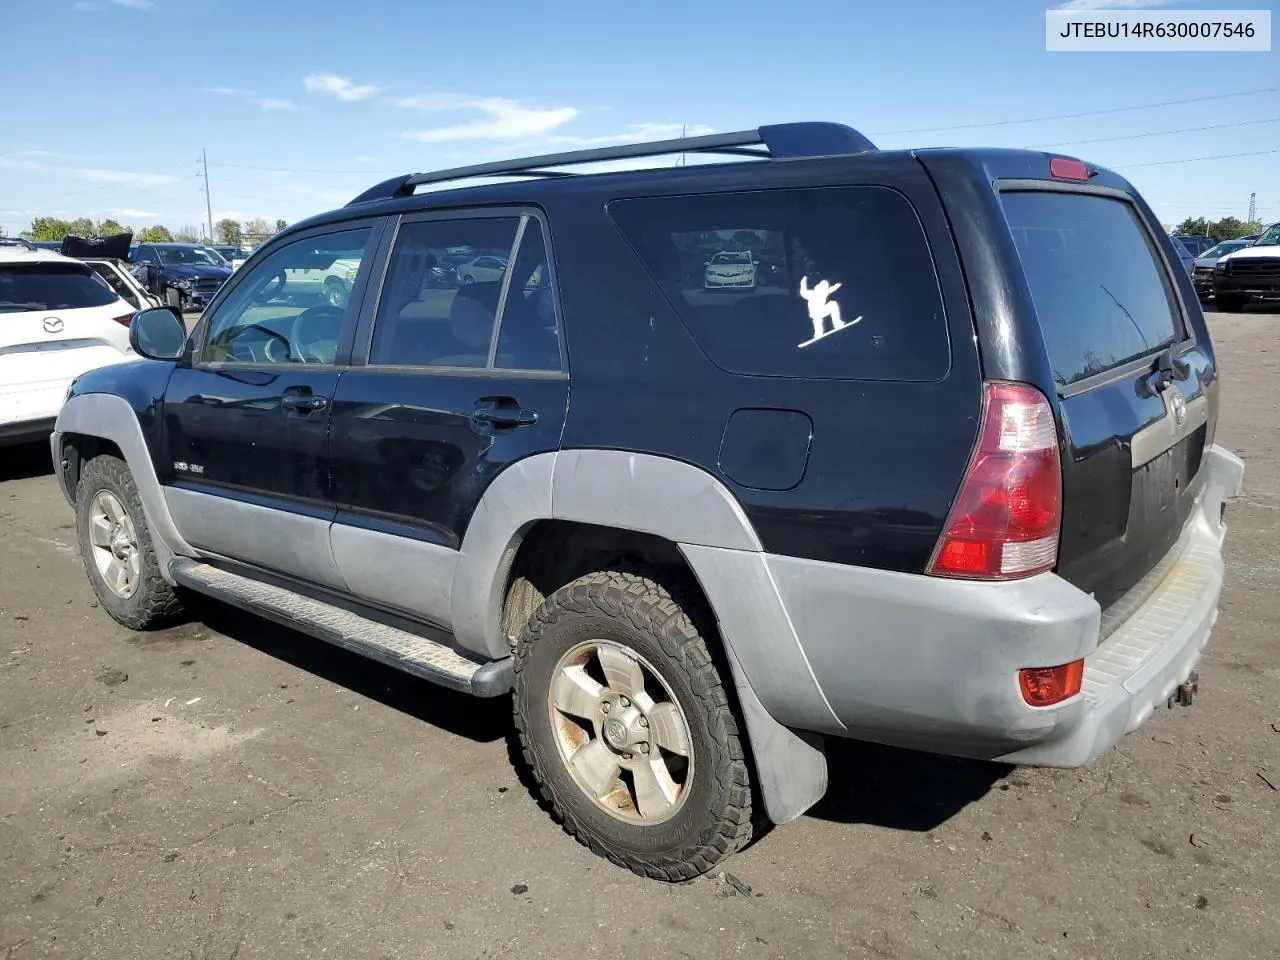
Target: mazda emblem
[
  {"x": 1179, "y": 404},
  {"x": 52, "y": 324}
]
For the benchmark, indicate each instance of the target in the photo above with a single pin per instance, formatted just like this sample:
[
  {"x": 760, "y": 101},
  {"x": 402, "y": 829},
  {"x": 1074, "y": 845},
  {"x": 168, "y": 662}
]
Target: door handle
[
  {"x": 303, "y": 403},
  {"x": 505, "y": 416}
]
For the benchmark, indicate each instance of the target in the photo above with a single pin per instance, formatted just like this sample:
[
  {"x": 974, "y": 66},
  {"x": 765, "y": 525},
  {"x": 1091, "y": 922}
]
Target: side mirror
[{"x": 158, "y": 333}]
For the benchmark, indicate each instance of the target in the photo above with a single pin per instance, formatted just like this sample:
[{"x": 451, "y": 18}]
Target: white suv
[{"x": 58, "y": 319}]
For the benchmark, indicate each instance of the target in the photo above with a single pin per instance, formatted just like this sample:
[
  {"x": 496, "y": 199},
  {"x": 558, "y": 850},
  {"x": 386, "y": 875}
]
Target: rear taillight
[
  {"x": 1004, "y": 522},
  {"x": 124, "y": 320}
]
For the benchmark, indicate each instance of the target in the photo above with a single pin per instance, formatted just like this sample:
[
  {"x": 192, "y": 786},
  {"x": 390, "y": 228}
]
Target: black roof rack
[{"x": 777, "y": 141}]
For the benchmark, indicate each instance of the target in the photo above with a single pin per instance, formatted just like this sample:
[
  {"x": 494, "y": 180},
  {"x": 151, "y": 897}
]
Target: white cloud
[
  {"x": 130, "y": 212},
  {"x": 635, "y": 133},
  {"x": 95, "y": 175},
  {"x": 440, "y": 101},
  {"x": 340, "y": 87},
  {"x": 276, "y": 103},
  {"x": 502, "y": 120},
  {"x": 92, "y": 174},
  {"x": 134, "y": 4},
  {"x": 1114, "y": 4},
  {"x": 229, "y": 91}
]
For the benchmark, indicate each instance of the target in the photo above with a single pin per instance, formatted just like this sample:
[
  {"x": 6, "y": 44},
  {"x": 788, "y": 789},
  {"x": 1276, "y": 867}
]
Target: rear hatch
[
  {"x": 1135, "y": 386},
  {"x": 56, "y": 323}
]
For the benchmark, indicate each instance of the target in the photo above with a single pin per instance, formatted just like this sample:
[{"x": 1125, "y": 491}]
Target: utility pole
[
  {"x": 1253, "y": 207},
  {"x": 208, "y": 202}
]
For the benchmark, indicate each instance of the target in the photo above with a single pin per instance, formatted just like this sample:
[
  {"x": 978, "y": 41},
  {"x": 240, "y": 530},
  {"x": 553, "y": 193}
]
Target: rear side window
[
  {"x": 1101, "y": 295},
  {"x": 51, "y": 286},
  {"x": 821, "y": 283}
]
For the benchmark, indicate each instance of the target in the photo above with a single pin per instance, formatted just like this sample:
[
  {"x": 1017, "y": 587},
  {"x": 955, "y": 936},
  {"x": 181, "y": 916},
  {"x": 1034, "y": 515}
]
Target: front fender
[{"x": 110, "y": 417}]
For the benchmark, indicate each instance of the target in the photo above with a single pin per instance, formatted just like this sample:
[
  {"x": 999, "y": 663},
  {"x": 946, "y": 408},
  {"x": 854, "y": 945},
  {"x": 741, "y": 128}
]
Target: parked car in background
[
  {"x": 485, "y": 268},
  {"x": 1185, "y": 255},
  {"x": 1250, "y": 274},
  {"x": 1195, "y": 243},
  {"x": 730, "y": 269},
  {"x": 190, "y": 273},
  {"x": 1202, "y": 273},
  {"x": 58, "y": 319},
  {"x": 319, "y": 276},
  {"x": 109, "y": 258},
  {"x": 232, "y": 254}
]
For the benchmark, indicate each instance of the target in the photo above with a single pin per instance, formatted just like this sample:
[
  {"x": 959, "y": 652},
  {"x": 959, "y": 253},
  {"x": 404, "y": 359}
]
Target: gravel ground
[{"x": 230, "y": 789}]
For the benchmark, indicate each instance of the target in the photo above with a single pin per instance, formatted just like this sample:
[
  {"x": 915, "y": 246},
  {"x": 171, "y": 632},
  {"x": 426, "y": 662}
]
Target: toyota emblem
[
  {"x": 1179, "y": 404},
  {"x": 52, "y": 324}
]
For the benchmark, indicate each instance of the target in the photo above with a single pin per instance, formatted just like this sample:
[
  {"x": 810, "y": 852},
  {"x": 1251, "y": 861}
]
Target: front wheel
[
  {"x": 626, "y": 723},
  {"x": 1228, "y": 304},
  {"x": 117, "y": 549}
]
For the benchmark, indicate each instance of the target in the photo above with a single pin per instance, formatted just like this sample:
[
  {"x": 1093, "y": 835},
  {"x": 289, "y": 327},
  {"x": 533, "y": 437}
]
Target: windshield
[
  {"x": 1270, "y": 237},
  {"x": 51, "y": 286},
  {"x": 190, "y": 256},
  {"x": 1223, "y": 248}
]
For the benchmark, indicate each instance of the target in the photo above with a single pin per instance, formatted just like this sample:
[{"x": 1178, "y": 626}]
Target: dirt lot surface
[{"x": 228, "y": 789}]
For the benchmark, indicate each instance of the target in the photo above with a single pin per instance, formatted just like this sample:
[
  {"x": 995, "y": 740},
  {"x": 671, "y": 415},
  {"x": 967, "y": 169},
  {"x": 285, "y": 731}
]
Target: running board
[{"x": 400, "y": 649}]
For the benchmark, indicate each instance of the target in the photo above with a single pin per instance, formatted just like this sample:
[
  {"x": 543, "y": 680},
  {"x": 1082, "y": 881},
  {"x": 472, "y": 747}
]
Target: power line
[
  {"x": 1154, "y": 133},
  {"x": 1072, "y": 116},
  {"x": 1220, "y": 156},
  {"x": 245, "y": 166}
]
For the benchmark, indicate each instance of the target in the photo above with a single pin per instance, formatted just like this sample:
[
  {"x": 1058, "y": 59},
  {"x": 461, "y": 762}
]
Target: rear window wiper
[{"x": 16, "y": 307}]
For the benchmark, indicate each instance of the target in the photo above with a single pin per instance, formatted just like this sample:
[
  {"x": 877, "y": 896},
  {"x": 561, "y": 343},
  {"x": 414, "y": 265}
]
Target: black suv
[{"x": 699, "y": 464}]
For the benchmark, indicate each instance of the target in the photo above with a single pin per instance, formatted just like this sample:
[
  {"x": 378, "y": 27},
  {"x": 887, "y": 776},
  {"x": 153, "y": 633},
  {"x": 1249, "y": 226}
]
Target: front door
[
  {"x": 462, "y": 375},
  {"x": 247, "y": 422}
]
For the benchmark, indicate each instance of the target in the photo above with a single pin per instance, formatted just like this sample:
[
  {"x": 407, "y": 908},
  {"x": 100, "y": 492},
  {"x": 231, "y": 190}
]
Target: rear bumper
[
  {"x": 28, "y": 411},
  {"x": 932, "y": 664}
]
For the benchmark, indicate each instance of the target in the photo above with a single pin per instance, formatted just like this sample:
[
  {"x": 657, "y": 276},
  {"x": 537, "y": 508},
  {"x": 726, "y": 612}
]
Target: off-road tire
[
  {"x": 154, "y": 604},
  {"x": 715, "y": 819}
]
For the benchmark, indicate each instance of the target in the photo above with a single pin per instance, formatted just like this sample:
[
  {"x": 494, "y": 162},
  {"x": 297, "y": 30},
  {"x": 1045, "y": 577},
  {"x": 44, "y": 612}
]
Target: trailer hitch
[{"x": 1186, "y": 691}]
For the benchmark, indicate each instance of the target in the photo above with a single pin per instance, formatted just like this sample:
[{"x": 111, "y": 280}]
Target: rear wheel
[
  {"x": 1229, "y": 304},
  {"x": 626, "y": 722},
  {"x": 117, "y": 549}
]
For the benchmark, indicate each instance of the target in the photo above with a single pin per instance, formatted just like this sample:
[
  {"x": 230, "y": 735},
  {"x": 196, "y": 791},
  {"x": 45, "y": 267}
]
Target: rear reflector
[
  {"x": 1068, "y": 169},
  {"x": 123, "y": 321},
  {"x": 1045, "y": 686},
  {"x": 1004, "y": 522}
]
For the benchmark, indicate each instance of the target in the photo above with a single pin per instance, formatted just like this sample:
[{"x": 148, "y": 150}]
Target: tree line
[
  {"x": 227, "y": 231},
  {"x": 1228, "y": 228}
]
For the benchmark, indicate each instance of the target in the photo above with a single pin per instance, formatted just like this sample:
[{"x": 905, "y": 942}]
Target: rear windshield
[
  {"x": 51, "y": 286},
  {"x": 1100, "y": 293},
  {"x": 819, "y": 282}
]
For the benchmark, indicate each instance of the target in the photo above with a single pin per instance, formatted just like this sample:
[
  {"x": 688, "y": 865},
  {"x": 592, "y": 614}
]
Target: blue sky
[{"x": 301, "y": 104}]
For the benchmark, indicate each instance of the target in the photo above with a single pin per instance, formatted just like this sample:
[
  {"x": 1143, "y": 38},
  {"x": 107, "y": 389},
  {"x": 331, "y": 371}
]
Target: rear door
[
  {"x": 451, "y": 382},
  {"x": 1135, "y": 382}
]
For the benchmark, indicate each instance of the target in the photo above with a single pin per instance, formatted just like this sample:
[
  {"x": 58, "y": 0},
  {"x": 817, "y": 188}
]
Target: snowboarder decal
[{"x": 820, "y": 309}]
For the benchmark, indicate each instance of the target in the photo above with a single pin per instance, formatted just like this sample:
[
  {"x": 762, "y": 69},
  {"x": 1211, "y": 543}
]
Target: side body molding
[
  {"x": 109, "y": 417},
  {"x": 688, "y": 506}
]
